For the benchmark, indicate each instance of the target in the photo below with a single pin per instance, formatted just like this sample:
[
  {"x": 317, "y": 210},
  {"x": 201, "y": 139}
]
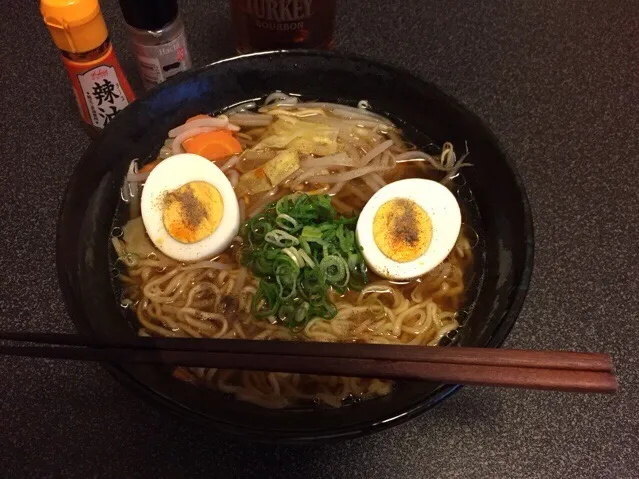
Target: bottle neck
[{"x": 89, "y": 56}]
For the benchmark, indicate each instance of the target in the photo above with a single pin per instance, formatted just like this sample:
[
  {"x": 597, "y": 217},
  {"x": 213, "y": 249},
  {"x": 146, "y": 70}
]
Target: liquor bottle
[{"x": 283, "y": 24}]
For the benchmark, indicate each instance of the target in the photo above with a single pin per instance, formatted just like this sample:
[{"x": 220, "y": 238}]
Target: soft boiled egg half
[
  {"x": 189, "y": 208},
  {"x": 408, "y": 227}
]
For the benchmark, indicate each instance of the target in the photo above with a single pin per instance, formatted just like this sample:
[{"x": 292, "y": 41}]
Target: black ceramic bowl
[{"x": 502, "y": 217}]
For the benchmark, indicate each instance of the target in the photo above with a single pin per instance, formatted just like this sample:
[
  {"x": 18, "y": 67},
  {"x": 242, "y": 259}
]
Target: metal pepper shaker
[{"x": 158, "y": 38}]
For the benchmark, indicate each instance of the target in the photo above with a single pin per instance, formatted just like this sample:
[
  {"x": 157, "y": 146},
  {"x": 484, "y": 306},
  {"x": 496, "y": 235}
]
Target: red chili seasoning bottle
[{"x": 78, "y": 30}]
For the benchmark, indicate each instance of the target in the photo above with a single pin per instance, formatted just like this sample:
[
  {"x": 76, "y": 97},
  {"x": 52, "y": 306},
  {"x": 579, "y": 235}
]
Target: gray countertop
[{"x": 557, "y": 81}]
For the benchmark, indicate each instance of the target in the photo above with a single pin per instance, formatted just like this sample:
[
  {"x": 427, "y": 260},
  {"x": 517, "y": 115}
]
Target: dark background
[{"x": 557, "y": 81}]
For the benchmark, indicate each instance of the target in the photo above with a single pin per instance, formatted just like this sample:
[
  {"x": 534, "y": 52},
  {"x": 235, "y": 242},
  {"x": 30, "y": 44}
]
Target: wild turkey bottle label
[{"x": 281, "y": 24}]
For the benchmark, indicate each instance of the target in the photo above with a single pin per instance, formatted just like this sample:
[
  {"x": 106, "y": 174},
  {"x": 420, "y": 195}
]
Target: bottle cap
[
  {"x": 149, "y": 15},
  {"x": 77, "y": 26}
]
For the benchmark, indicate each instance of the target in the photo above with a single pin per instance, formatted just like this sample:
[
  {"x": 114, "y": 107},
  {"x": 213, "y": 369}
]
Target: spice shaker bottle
[
  {"x": 100, "y": 86},
  {"x": 157, "y": 34}
]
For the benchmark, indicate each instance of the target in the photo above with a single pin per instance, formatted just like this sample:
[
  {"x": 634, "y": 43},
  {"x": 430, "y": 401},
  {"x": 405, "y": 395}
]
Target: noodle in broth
[{"x": 212, "y": 299}]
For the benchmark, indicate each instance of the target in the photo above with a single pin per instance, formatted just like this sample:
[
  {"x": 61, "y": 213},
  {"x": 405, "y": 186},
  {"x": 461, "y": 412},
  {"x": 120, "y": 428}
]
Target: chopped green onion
[
  {"x": 301, "y": 313},
  {"x": 311, "y": 233},
  {"x": 305, "y": 246},
  {"x": 286, "y": 291},
  {"x": 346, "y": 238},
  {"x": 305, "y": 257},
  {"x": 265, "y": 301},
  {"x": 323, "y": 309},
  {"x": 281, "y": 239},
  {"x": 352, "y": 261},
  {"x": 335, "y": 270},
  {"x": 286, "y": 313},
  {"x": 292, "y": 253},
  {"x": 287, "y": 223},
  {"x": 312, "y": 285},
  {"x": 258, "y": 230},
  {"x": 300, "y": 247}
]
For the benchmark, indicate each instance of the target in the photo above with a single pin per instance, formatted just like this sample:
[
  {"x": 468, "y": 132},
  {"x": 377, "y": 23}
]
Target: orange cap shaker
[{"x": 78, "y": 30}]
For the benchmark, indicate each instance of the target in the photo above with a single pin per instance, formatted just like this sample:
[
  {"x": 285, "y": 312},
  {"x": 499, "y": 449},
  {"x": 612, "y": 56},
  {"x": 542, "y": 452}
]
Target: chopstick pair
[{"x": 550, "y": 370}]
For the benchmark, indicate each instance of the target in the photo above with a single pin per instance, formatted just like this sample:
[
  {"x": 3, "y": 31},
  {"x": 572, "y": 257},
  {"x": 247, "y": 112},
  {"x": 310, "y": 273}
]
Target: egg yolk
[
  {"x": 192, "y": 212},
  {"x": 402, "y": 230}
]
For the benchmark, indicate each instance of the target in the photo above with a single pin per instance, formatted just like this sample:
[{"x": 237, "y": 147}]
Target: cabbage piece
[
  {"x": 137, "y": 242},
  {"x": 305, "y": 137},
  {"x": 300, "y": 112},
  {"x": 282, "y": 166},
  {"x": 302, "y": 145},
  {"x": 252, "y": 182},
  {"x": 274, "y": 141},
  {"x": 325, "y": 144}
]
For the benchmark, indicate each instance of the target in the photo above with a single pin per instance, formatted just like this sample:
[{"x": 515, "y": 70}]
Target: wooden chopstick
[
  {"x": 588, "y": 372},
  {"x": 454, "y": 355}
]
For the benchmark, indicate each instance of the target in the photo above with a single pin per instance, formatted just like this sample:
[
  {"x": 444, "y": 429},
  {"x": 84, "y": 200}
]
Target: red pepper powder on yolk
[
  {"x": 192, "y": 212},
  {"x": 402, "y": 230}
]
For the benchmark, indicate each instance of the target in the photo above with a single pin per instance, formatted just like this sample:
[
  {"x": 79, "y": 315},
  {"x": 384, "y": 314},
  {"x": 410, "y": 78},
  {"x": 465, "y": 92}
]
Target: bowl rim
[{"x": 499, "y": 335}]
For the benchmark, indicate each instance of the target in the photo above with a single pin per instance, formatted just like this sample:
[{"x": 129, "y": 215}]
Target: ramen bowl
[{"x": 500, "y": 215}]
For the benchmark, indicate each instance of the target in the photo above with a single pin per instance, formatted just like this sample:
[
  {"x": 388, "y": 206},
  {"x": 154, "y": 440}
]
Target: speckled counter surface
[{"x": 558, "y": 82}]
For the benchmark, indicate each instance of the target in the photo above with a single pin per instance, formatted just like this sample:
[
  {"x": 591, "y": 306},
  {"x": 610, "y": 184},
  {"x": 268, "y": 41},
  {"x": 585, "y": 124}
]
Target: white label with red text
[{"x": 103, "y": 94}]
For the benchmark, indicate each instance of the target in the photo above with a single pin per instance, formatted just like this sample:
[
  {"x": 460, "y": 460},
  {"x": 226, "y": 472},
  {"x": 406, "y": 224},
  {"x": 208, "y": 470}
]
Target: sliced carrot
[
  {"x": 149, "y": 166},
  {"x": 214, "y": 145}
]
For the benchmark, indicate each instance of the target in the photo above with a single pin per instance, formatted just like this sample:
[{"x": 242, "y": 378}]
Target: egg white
[
  {"x": 442, "y": 208},
  {"x": 169, "y": 175}
]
